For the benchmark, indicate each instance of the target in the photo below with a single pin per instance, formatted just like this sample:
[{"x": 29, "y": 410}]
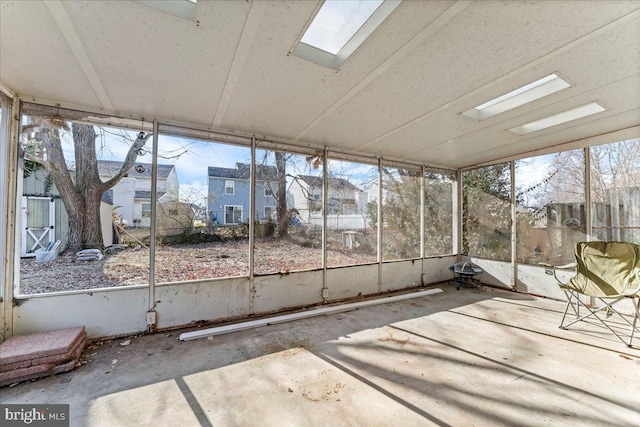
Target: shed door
[{"x": 38, "y": 219}]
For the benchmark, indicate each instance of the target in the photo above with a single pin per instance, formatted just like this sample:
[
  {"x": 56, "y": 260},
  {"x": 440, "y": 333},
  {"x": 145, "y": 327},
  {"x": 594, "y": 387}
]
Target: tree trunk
[{"x": 281, "y": 196}]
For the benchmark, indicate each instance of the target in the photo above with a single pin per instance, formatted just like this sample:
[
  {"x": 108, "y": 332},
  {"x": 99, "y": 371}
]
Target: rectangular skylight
[
  {"x": 185, "y": 9},
  {"x": 523, "y": 95},
  {"x": 340, "y": 27},
  {"x": 560, "y": 118},
  {"x": 336, "y": 22}
]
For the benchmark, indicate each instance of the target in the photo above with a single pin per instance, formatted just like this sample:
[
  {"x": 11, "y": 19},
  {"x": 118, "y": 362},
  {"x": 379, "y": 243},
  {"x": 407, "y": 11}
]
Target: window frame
[
  {"x": 235, "y": 207},
  {"x": 273, "y": 209},
  {"x": 227, "y": 187},
  {"x": 144, "y": 211}
]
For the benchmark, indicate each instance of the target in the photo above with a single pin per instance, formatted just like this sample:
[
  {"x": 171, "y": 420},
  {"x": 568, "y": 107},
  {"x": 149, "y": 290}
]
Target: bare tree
[
  {"x": 281, "y": 195},
  {"x": 81, "y": 190}
]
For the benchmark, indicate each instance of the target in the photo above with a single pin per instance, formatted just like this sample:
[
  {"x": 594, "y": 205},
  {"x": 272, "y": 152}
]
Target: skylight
[
  {"x": 523, "y": 95},
  {"x": 336, "y": 22},
  {"x": 185, "y": 9},
  {"x": 560, "y": 118},
  {"x": 340, "y": 27}
]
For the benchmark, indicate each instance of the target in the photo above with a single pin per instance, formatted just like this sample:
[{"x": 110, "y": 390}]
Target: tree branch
[{"x": 129, "y": 159}]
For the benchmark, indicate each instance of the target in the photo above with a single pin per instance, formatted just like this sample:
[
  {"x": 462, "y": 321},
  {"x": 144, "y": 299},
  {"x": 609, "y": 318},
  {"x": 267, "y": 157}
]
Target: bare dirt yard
[{"x": 179, "y": 262}]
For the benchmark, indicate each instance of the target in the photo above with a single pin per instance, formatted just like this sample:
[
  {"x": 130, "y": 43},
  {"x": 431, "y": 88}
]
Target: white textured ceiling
[{"x": 399, "y": 95}]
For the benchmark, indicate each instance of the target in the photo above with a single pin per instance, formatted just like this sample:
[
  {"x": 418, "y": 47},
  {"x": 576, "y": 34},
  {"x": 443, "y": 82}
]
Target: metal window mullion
[
  {"x": 514, "y": 225},
  {"x": 587, "y": 202},
  {"x": 379, "y": 248},
  {"x": 154, "y": 210},
  {"x": 4, "y": 195},
  {"x": 252, "y": 218},
  {"x": 458, "y": 218},
  {"x": 11, "y": 217},
  {"x": 325, "y": 203},
  {"x": 422, "y": 216},
  {"x": 587, "y": 194}
]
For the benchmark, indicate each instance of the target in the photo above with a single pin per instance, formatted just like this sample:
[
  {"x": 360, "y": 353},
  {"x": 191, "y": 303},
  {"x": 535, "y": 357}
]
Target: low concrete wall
[
  {"x": 276, "y": 292},
  {"x": 348, "y": 282},
  {"x": 121, "y": 311},
  {"x": 183, "y": 303},
  {"x": 104, "y": 313}
]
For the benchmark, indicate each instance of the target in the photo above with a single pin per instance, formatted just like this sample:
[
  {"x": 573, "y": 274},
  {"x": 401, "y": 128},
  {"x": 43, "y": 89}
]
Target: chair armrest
[{"x": 551, "y": 269}]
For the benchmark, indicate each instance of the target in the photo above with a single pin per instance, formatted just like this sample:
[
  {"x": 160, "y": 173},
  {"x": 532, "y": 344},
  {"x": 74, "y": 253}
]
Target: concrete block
[{"x": 29, "y": 347}]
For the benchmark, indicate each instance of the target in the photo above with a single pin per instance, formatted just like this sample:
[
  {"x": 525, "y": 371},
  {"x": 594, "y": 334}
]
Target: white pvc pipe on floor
[{"x": 187, "y": 336}]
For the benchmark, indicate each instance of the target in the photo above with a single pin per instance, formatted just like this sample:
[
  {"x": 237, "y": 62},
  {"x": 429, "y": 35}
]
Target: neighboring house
[
  {"x": 228, "y": 193},
  {"x": 346, "y": 204},
  {"x": 132, "y": 194},
  {"x": 44, "y": 217}
]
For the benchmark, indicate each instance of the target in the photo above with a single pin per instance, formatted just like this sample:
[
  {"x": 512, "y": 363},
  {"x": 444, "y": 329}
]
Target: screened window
[
  {"x": 289, "y": 236},
  {"x": 550, "y": 207},
  {"x": 439, "y": 190},
  {"x": 486, "y": 212},
  {"x": 352, "y": 217},
  {"x": 192, "y": 205},
  {"x": 400, "y": 213},
  {"x": 615, "y": 191},
  {"x": 53, "y": 138}
]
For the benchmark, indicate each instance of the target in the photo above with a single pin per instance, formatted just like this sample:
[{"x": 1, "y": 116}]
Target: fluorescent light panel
[
  {"x": 523, "y": 95},
  {"x": 560, "y": 118}
]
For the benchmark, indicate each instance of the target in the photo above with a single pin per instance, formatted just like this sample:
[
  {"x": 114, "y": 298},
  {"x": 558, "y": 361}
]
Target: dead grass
[{"x": 185, "y": 262}]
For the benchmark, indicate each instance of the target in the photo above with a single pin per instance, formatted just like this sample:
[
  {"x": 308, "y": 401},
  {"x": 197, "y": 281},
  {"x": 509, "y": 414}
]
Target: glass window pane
[
  {"x": 352, "y": 213},
  {"x": 400, "y": 213},
  {"x": 64, "y": 160},
  {"x": 550, "y": 207},
  {"x": 288, "y": 232},
  {"x": 202, "y": 229},
  {"x": 438, "y": 213},
  {"x": 615, "y": 191},
  {"x": 486, "y": 212},
  {"x": 336, "y": 22}
]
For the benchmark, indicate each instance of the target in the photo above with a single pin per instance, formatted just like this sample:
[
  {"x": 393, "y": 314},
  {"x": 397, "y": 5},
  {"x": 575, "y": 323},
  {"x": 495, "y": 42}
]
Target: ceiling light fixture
[
  {"x": 560, "y": 118},
  {"x": 523, "y": 95}
]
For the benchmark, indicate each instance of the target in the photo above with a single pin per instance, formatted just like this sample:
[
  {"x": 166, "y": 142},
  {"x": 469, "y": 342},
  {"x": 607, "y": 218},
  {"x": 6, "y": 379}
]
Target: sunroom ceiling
[{"x": 399, "y": 95}]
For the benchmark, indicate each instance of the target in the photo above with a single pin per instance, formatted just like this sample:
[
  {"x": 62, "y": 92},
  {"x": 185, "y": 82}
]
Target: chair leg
[
  {"x": 594, "y": 313},
  {"x": 636, "y": 305},
  {"x": 569, "y": 295}
]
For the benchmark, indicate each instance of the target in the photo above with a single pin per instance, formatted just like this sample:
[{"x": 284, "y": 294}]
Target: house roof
[
  {"x": 112, "y": 167},
  {"x": 107, "y": 197},
  {"x": 147, "y": 194},
  {"x": 336, "y": 183},
  {"x": 242, "y": 171}
]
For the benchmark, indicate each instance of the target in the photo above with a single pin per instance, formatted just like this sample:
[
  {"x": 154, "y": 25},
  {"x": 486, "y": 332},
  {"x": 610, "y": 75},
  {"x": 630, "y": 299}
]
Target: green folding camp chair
[{"x": 609, "y": 272}]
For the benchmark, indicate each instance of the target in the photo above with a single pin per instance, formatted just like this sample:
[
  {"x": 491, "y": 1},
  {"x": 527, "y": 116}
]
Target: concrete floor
[{"x": 458, "y": 358}]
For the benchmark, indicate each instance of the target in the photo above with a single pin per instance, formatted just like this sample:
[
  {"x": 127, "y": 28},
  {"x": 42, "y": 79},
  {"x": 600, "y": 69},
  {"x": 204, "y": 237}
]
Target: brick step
[{"x": 39, "y": 355}]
